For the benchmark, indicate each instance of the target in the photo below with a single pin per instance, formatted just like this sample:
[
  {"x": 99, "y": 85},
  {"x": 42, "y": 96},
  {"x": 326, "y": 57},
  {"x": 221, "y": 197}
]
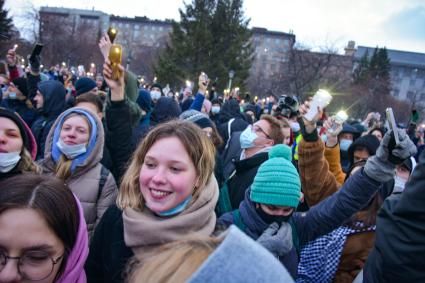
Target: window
[
  {"x": 412, "y": 82},
  {"x": 396, "y": 92},
  {"x": 161, "y": 28},
  {"x": 410, "y": 95},
  {"x": 136, "y": 26},
  {"x": 422, "y": 96}
]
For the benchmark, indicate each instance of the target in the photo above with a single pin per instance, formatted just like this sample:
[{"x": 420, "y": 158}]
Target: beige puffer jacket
[{"x": 84, "y": 181}]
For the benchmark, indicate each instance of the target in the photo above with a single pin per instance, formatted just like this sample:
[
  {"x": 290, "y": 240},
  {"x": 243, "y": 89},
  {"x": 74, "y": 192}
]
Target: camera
[{"x": 287, "y": 106}]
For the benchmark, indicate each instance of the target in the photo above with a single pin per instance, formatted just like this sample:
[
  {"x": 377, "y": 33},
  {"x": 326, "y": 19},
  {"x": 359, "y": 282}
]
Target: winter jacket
[
  {"x": 320, "y": 219},
  {"x": 240, "y": 173},
  {"x": 107, "y": 249},
  {"x": 54, "y": 103},
  {"x": 332, "y": 155},
  {"x": 119, "y": 136},
  {"x": 86, "y": 170},
  {"x": 398, "y": 255},
  {"x": 318, "y": 183},
  {"x": 131, "y": 94}
]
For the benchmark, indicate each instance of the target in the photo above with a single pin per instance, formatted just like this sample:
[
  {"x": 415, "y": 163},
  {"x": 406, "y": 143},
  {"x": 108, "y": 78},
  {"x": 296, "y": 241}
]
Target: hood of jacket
[
  {"x": 54, "y": 98},
  {"x": 165, "y": 109},
  {"x": 85, "y": 161},
  {"x": 230, "y": 110}
]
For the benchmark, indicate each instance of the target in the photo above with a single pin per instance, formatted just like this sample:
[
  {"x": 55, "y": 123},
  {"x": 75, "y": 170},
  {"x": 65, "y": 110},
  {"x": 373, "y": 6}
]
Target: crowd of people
[{"x": 103, "y": 179}]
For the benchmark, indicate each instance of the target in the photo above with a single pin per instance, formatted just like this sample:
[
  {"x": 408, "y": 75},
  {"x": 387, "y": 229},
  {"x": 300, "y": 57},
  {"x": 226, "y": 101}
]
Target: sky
[{"x": 395, "y": 24}]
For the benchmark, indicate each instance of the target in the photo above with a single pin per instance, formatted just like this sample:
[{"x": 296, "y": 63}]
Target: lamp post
[{"x": 231, "y": 75}]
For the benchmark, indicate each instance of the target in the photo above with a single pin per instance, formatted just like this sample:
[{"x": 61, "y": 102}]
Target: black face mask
[{"x": 269, "y": 219}]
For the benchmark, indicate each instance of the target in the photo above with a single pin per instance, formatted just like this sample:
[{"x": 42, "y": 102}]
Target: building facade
[
  {"x": 407, "y": 73},
  {"x": 143, "y": 39}
]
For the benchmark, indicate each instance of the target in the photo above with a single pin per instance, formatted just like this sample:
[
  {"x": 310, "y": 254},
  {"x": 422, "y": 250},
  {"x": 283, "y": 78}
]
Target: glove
[
  {"x": 379, "y": 167},
  {"x": 277, "y": 240},
  {"x": 309, "y": 137},
  {"x": 404, "y": 150}
]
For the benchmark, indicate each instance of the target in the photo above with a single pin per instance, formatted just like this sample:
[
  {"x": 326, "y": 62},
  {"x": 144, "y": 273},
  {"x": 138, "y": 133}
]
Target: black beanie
[
  {"x": 84, "y": 85},
  {"x": 199, "y": 118},
  {"x": 369, "y": 142},
  {"x": 158, "y": 86},
  {"x": 19, "y": 122},
  {"x": 21, "y": 84}
]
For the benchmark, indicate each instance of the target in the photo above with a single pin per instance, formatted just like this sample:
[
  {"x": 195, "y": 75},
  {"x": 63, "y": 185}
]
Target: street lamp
[{"x": 231, "y": 75}]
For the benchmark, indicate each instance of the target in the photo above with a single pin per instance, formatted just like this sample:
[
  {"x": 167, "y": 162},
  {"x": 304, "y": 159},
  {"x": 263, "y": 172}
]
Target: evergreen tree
[
  {"x": 6, "y": 24},
  {"x": 362, "y": 71},
  {"x": 212, "y": 36}
]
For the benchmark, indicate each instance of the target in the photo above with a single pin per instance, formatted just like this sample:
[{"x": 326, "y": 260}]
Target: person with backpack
[{"x": 74, "y": 149}]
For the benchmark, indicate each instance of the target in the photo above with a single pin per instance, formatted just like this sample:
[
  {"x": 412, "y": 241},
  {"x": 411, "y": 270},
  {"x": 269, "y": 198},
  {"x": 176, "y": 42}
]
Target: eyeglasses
[
  {"x": 32, "y": 265},
  {"x": 258, "y": 129}
]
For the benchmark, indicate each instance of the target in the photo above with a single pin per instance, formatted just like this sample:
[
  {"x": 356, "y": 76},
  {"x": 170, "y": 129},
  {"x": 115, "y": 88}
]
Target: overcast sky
[{"x": 396, "y": 24}]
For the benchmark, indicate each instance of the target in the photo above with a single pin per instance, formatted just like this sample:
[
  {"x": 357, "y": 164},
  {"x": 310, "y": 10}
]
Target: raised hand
[{"x": 116, "y": 86}]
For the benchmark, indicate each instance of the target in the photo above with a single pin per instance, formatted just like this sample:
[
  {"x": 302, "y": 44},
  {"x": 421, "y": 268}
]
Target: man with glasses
[{"x": 247, "y": 150}]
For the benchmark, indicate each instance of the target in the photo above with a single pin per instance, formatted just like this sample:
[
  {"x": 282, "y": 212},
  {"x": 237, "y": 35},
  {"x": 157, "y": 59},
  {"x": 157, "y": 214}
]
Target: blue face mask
[
  {"x": 176, "y": 210},
  {"x": 247, "y": 138},
  {"x": 345, "y": 144},
  {"x": 12, "y": 95}
]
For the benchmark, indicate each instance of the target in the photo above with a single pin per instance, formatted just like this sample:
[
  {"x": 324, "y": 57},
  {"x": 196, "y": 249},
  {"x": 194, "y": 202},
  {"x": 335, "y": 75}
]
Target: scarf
[
  {"x": 144, "y": 230},
  {"x": 320, "y": 258},
  {"x": 74, "y": 269}
]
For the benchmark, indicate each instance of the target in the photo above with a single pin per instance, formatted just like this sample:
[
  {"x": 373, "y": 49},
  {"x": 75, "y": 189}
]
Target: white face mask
[
  {"x": 215, "y": 109},
  {"x": 295, "y": 126},
  {"x": 71, "y": 151},
  {"x": 155, "y": 95},
  {"x": 8, "y": 161},
  {"x": 399, "y": 184},
  {"x": 247, "y": 138}
]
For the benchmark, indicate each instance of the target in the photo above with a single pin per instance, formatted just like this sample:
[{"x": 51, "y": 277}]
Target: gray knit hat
[{"x": 199, "y": 118}]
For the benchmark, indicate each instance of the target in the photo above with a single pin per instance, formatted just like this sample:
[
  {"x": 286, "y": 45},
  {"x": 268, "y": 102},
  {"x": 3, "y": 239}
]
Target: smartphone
[
  {"x": 392, "y": 124},
  {"x": 15, "y": 47},
  {"x": 36, "y": 51},
  {"x": 321, "y": 99},
  {"x": 205, "y": 79},
  {"x": 112, "y": 33},
  {"x": 115, "y": 56}
]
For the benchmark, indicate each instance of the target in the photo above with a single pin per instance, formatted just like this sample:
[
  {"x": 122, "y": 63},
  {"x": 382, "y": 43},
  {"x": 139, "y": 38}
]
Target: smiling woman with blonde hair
[{"x": 168, "y": 191}]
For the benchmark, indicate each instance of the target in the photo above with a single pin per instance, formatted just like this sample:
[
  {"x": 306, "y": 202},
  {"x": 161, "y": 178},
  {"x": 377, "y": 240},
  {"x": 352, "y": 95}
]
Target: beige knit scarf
[{"x": 144, "y": 230}]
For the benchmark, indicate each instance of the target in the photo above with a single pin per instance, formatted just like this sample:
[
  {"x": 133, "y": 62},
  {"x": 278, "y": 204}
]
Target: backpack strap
[
  {"x": 229, "y": 132},
  {"x": 104, "y": 173},
  {"x": 237, "y": 220}
]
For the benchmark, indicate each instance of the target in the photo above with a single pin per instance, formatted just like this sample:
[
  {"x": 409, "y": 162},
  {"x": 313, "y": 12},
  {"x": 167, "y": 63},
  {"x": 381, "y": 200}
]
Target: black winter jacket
[
  {"x": 108, "y": 254},
  {"x": 398, "y": 255}
]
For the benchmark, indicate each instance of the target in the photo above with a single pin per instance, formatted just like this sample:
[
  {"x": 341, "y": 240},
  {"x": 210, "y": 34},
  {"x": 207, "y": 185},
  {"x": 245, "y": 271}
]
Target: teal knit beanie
[{"x": 277, "y": 181}]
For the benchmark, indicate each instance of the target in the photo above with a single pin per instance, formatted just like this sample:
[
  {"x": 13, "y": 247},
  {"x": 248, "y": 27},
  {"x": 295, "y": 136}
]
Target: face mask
[
  {"x": 155, "y": 95},
  {"x": 345, "y": 144},
  {"x": 295, "y": 126},
  {"x": 71, "y": 151},
  {"x": 8, "y": 161},
  {"x": 12, "y": 95},
  {"x": 176, "y": 210},
  {"x": 399, "y": 184},
  {"x": 269, "y": 219},
  {"x": 247, "y": 138},
  {"x": 215, "y": 109}
]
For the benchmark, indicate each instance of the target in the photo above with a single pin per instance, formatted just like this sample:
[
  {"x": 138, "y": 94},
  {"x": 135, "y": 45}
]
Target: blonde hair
[
  {"x": 63, "y": 167},
  {"x": 26, "y": 164},
  {"x": 200, "y": 149},
  {"x": 174, "y": 262}
]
